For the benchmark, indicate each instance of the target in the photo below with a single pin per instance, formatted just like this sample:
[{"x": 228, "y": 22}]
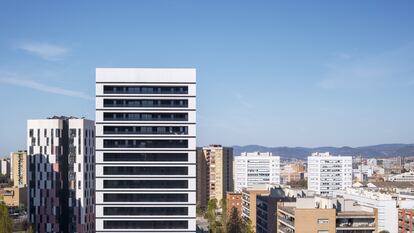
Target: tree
[
  {"x": 247, "y": 226},
  {"x": 30, "y": 229},
  {"x": 234, "y": 223},
  {"x": 223, "y": 205},
  {"x": 6, "y": 225}
]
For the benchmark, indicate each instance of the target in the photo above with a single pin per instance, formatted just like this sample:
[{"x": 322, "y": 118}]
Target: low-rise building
[
  {"x": 403, "y": 177},
  {"x": 15, "y": 196},
  {"x": 386, "y": 203},
  {"x": 292, "y": 172},
  {"x": 234, "y": 200},
  {"x": 327, "y": 215}
]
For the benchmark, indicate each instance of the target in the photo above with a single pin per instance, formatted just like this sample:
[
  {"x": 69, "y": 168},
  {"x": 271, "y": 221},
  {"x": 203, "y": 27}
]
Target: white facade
[
  {"x": 5, "y": 167},
  {"x": 61, "y": 156},
  {"x": 146, "y": 150},
  {"x": 327, "y": 173},
  {"x": 403, "y": 177},
  {"x": 252, "y": 170}
]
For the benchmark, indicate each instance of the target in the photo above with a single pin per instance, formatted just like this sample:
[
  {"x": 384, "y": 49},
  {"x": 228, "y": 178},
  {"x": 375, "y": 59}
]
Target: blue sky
[{"x": 276, "y": 73}]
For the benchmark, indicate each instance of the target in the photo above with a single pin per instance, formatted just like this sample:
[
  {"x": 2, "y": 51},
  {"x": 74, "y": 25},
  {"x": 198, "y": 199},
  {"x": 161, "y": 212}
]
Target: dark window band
[
  {"x": 135, "y": 211},
  {"x": 124, "y": 143},
  {"x": 145, "y": 197},
  {"x": 146, "y": 103},
  {"x": 173, "y": 157},
  {"x": 174, "y": 130},
  {"x": 118, "y": 170},
  {"x": 119, "y": 116},
  {"x": 146, "y": 184},
  {"x": 145, "y": 89},
  {"x": 152, "y": 224}
]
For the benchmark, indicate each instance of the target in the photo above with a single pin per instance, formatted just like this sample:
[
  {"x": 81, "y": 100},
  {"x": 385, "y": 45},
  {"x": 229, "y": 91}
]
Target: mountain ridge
[{"x": 380, "y": 150}]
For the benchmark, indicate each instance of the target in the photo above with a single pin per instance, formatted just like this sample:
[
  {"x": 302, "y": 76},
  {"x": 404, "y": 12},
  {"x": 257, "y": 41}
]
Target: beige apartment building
[
  {"x": 214, "y": 173},
  {"x": 19, "y": 168}
]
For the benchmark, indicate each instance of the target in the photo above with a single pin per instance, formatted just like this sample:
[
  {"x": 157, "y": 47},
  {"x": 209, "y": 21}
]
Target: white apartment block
[
  {"x": 146, "y": 150},
  {"x": 61, "y": 189},
  {"x": 255, "y": 170},
  {"x": 327, "y": 173},
  {"x": 5, "y": 167}
]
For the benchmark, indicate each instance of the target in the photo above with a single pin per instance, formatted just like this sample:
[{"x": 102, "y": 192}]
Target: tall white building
[
  {"x": 146, "y": 150},
  {"x": 61, "y": 187},
  {"x": 327, "y": 173},
  {"x": 5, "y": 167},
  {"x": 252, "y": 170}
]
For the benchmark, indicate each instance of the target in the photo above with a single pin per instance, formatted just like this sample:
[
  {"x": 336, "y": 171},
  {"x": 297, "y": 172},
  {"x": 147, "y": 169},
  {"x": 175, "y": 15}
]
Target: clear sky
[{"x": 276, "y": 73}]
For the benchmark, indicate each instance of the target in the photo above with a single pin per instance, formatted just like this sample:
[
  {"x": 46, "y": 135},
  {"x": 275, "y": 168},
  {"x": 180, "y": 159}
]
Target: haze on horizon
[{"x": 272, "y": 73}]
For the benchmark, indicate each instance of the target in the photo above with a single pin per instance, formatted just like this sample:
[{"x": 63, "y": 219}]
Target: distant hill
[{"x": 383, "y": 150}]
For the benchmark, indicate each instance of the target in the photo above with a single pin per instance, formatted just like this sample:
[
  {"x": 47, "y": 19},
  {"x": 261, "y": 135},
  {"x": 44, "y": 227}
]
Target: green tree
[
  {"x": 247, "y": 226},
  {"x": 234, "y": 223},
  {"x": 6, "y": 225},
  {"x": 223, "y": 205}
]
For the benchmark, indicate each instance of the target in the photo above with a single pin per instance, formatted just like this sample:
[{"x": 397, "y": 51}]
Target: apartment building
[
  {"x": 234, "y": 200},
  {"x": 5, "y": 167},
  {"x": 327, "y": 173},
  {"x": 61, "y": 156},
  {"x": 266, "y": 208},
  {"x": 405, "y": 220},
  {"x": 146, "y": 150},
  {"x": 249, "y": 204},
  {"x": 325, "y": 215},
  {"x": 19, "y": 168},
  {"x": 256, "y": 170},
  {"x": 214, "y": 174}
]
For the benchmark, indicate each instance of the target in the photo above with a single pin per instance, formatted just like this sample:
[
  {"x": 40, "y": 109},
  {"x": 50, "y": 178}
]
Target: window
[
  {"x": 145, "y": 89},
  {"x": 145, "y": 130},
  {"x": 323, "y": 221},
  {"x": 136, "y": 103},
  {"x": 119, "y": 116}
]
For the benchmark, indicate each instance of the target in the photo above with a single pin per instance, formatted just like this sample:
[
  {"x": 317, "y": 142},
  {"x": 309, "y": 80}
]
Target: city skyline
[{"x": 274, "y": 74}]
